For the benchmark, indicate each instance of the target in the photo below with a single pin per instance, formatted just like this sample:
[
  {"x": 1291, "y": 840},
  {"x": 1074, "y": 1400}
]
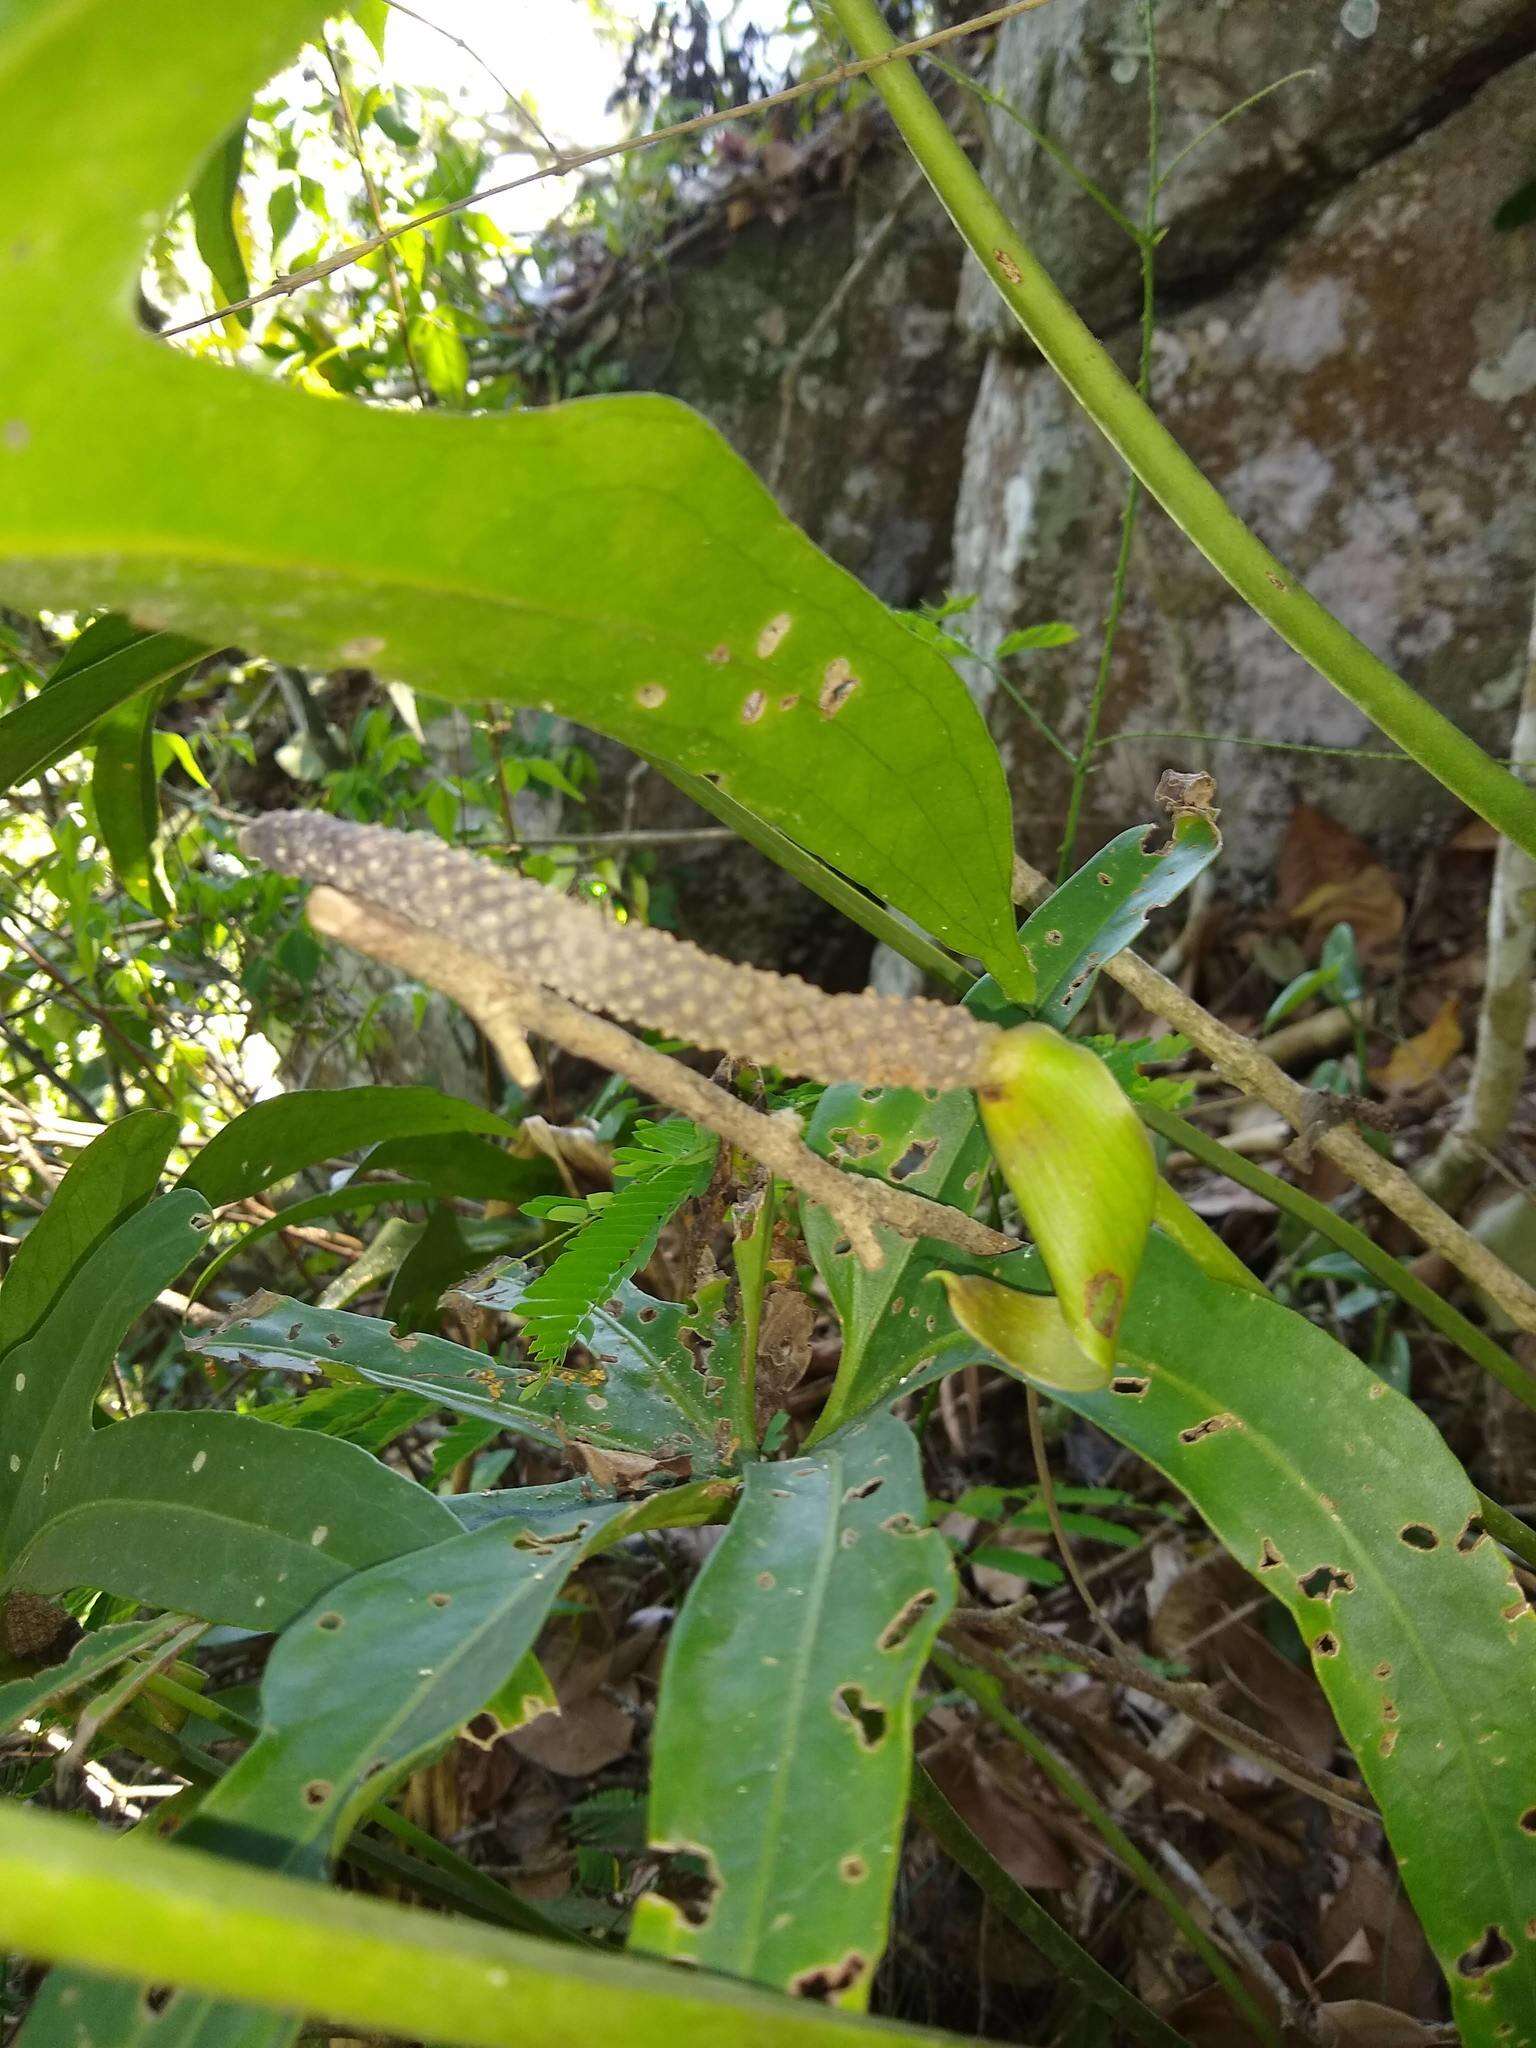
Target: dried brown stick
[
  {"x": 1189, "y": 1700},
  {"x": 1256, "y": 1074},
  {"x": 502, "y": 1006}
]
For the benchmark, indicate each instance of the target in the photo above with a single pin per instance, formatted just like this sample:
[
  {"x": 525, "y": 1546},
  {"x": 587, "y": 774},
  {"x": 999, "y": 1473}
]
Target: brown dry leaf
[
  {"x": 1316, "y": 850},
  {"x": 1419, "y": 1059},
  {"x": 1476, "y": 836},
  {"x": 1020, "y": 1841},
  {"x": 1373, "y": 1944},
  {"x": 580, "y": 1739},
  {"x": 1368, "y": 901},
  {"x": 1358, "y": 2023},
  {"x": 783, "y": 1348}
]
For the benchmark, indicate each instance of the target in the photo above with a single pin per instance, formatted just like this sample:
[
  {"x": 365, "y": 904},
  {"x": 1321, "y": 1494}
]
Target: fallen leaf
[
  {"x": 1316, "y": 850},
  {"x": 1418, "y": 1059},
  {"x": 1368, "y": 901},
  {"x": 1021, "y": 1843}
]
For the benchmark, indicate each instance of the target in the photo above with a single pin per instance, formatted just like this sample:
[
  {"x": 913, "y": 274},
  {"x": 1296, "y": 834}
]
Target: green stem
[
  {"x": 1037, "y": 1926},
  {"x": 751, "y": 1259},
  {"x": 984, "y": 1690},
  {"x": 1146, "y": 243},
  {"x": 1152, "y": 454}
]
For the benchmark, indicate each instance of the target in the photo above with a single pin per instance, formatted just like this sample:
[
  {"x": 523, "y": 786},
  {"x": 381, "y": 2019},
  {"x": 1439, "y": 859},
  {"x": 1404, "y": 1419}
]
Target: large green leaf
[
  {"x": 893, "y": 1317},
  {"x": 109, "y": 665},
  {"x": 111, "y": 1177},
  {"x": 357, "y": 1692},
  {"x": 213, "y": 199},
  {"x": 281, "y": 1137},
  {"x": 52, "y": 1377},
  {"x": 783, "y": 1739},
  {"x": 611, "y": 559},
  {"x": 216, "y": 1514},
  {"x": 72, "y": 1893},
  {"x": 222, "y": 1516},
  {"x": 643, "y": 1390},
  {"x": 1343, "y": 1500}
]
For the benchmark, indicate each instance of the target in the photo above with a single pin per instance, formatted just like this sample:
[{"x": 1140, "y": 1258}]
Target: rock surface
[{"x": 1366, "y": 398}]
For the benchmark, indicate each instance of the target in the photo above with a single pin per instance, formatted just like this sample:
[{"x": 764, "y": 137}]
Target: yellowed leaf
[{"x": 1418, "y": 1059}]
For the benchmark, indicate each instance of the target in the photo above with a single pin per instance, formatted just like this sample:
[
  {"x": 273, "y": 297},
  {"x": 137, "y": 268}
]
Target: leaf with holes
[
  {"x": 113, "y": 1176},
  {"x": 798, "y": 1650},
  {"x": 643, "y": 1390},
  {"x": 622, "y": 565},
  {"x": 219, "y": 1515},
  {"x": 896, "y": 1316},
  {"x": 359, "y": 1690},
  {"x": 1343, "y": 1500}
]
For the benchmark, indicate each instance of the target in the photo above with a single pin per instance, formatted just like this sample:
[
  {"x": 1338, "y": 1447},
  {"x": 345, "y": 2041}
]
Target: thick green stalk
[
  {"x": 72, "y": 1893},
  {"x": 1152, "y": 454},
  {"x": 1032, "y": 1920}
]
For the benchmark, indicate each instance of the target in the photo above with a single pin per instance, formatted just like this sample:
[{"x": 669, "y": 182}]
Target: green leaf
[
  {"x": 1343, "y": 1500},
  {"x": 556, "y": 1307},
  {"x": 213, "y": 199},
  {"x": 642, "y": 1391},
  {"x": 110, "y": 664},
  {"x": 372, "y": 17},
  {"x": 52, "y": 1376},
  {"x": 354, "y": 1198},
  {"x": 661, "y": 1395},
  {"x": 783, "y": 1737},
  {"x": 1080, "y": 1166},
  {"x": 356, "y": 1693},
  {"x": 91, "y": 1658},
  {"x": 72, "y": 1893},
  {"x": 470, "y": 1168},
  {"x": 215, "y": 1514},
  {"x": 125, "y": 791},
  {"x": 1027, "y": 1331},
  {"x": 283, "y": 1136},
  {"x": 1056, "y": 633},
  {"x": 222, "y": 1516},
  {"x": 893, "y": 1317},
  {"x": 1104, "y": 908},
  {"x": 113, "y": 1176},
  {"x": 620, "y": 566}
]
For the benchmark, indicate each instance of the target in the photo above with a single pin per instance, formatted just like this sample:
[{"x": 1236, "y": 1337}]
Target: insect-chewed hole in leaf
[
  {"x": 901, "y": 1525},
  {"x": 753, "y": 706},
  {"x": 915, "y": 1158},
  {"x": 200, "y": 1222},
  {"x": 864, "y": 1489},
  {"x": 439, "y": 1599},
  {"x": 1105, "y": 881},
  {"x": 330, "y": 1621},
  {"x": 334, "y": 1340},
  {"x": 295, "y": 1331},
  {"x": 902, "y": 1623},
  {"x": 1132, "y": 1384},
  {"x": 650, "y": 696},
  {"x": 1213, "y": 1425},
  {"x": 1269, "y": 1557},
  {"x": 690, "y": 1881},
  {"x": 853, "y": 1870},
  {"x": 868, "y": 1720},
  {"x": 826, "y": 1984},
  {"x": 1419, "y": 1536},
  {"x": 1486, "y": 1955},
  {"x": 1528, "y": 1821},
  {"x": 1327, "y": 1644},
  {"x": 1326, "y": 1580},
  {"x": 317, "y": 1791},
  {"x": 646, "y": 1315},
  {"x": 1472, "y": 1534},
  {"x": 157, "y": 1997}
]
